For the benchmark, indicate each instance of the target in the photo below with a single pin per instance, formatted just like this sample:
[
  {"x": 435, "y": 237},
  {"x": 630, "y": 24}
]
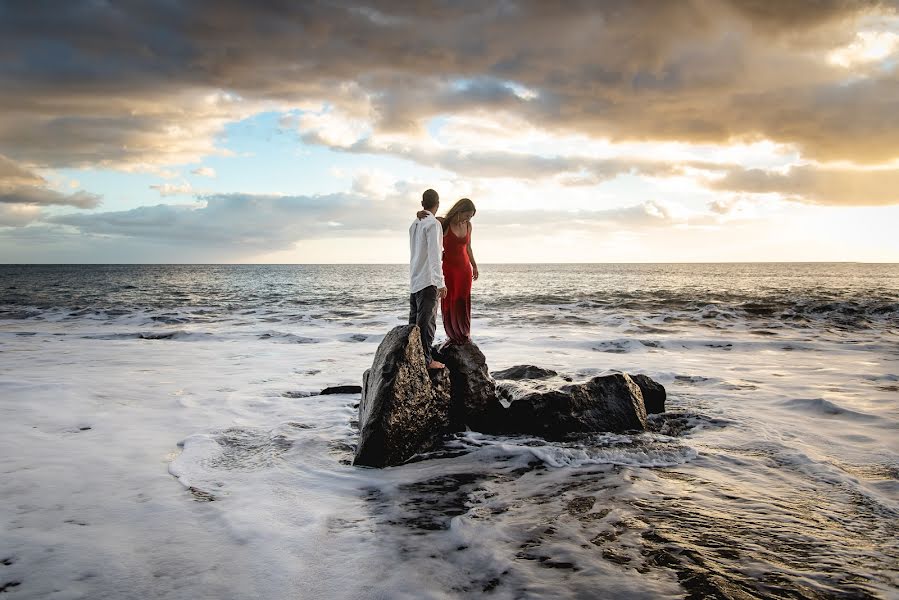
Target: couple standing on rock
[{"x": 442, "y": 266}]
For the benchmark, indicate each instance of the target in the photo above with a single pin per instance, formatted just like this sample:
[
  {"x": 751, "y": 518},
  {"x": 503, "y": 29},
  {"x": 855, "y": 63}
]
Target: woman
[{"x": 459, "y": 269}]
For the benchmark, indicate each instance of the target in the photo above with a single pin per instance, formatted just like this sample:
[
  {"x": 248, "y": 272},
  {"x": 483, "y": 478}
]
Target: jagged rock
[
  {"x": 607, "y": 403},
  {"x": 474, "y": 400},
  {"x": 341, "y": 389},
  {"x": 653, "y": 394},
  {"x": 404, "y": 409},
  {"x": 524, "y": 372}
]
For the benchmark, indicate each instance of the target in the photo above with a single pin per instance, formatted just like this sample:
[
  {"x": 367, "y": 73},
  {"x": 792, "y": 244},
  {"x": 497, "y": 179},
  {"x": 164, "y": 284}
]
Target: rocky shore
[{"x": 406, "y": 409}]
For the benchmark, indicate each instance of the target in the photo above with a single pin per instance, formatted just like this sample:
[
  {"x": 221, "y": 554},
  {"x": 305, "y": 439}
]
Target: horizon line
[{"x": 727, "y": 262}]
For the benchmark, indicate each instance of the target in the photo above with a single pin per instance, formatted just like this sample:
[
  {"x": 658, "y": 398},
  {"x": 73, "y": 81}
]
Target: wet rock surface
[
  {"x": 407, "y": 409},
  {"x": 474, "y": 398},
  {"x": 654, "y": 394},
  {"x": 524, "y": 372},
  {"x": 608, "y": 403},
  {"x": 403, "y": 410}
]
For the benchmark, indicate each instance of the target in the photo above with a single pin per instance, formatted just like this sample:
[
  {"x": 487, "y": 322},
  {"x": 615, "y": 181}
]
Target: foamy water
[{"x": 162, "y": 436}]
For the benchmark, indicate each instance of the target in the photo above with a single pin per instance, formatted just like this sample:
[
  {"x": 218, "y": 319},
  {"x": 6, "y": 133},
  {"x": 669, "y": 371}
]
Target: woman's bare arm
[
  {"x": 474, "y": 265},
  {"x": 423, "y": 213}
]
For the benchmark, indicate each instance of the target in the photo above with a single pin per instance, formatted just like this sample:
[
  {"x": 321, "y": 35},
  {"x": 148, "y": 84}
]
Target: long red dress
[{"x": 456, "y": 306}]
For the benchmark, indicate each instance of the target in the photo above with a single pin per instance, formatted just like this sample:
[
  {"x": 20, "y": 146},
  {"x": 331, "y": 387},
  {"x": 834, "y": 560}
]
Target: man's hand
[
  {"x": 441, "y": 293},
  {"x": 474, "y": 272}
]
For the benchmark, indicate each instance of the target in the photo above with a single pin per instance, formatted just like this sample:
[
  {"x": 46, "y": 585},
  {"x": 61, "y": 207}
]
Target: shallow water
[{"x": 161, "y": 436}]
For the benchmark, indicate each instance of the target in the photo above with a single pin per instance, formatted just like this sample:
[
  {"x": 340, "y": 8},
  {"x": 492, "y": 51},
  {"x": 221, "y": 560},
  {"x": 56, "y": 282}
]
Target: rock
[
  {"x": 653, "y": 394},
  {"x": 608, "y": 403},
  {"x": 524, "y": 372},
  {"x": 510, "y": 391},
  {"x": 341, "y": 389},
  {"x": 404, "y": 410},
  {"x": 474, "y": 400}
]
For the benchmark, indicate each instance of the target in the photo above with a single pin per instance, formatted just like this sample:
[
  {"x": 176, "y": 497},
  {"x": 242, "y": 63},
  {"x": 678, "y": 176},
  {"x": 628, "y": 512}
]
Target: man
[{"x": 426, "y": 274}]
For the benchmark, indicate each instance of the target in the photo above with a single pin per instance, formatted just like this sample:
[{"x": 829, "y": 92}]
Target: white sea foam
[
  {"x": 645, "y": 450},
  {"x": 777, "y": 456}
]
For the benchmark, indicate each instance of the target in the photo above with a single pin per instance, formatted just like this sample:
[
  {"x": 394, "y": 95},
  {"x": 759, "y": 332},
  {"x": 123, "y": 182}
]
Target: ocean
[{"x": 162, "y": 436}]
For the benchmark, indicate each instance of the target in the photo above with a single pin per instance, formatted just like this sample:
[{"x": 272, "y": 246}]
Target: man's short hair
[{"x": 429, "y": 199}]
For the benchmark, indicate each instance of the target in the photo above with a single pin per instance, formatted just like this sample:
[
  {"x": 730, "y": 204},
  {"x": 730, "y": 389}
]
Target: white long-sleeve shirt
[{"x": 426, "y": 247}]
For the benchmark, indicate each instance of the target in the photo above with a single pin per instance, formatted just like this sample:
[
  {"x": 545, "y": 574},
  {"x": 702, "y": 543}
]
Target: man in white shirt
[{"x": 426, "y": 274}]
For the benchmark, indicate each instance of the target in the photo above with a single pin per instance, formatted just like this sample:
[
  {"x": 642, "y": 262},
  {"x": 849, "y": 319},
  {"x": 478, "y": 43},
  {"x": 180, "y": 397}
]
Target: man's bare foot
[{"x": 436, "y": 364}]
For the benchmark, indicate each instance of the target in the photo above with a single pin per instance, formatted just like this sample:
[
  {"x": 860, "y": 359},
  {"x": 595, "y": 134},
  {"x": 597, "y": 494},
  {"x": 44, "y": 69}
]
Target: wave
[
  {"x": 641, "y": 450},
  {"x": 286, "y": 338},
  {"x": 648, "y": 297},
  {"x": 168, "y": 334},
  {"x": 820, "y": 406}
]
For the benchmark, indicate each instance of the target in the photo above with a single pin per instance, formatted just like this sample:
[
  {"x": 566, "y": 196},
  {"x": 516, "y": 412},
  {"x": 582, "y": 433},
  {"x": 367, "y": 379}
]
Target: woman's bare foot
[{"x": 436, "y": 364}]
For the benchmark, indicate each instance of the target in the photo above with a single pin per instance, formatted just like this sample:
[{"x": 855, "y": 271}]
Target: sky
[{"x": 584, "y": 131}]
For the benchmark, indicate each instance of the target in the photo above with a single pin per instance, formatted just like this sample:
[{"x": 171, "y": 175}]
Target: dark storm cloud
[{"x": 109, "y": 83}]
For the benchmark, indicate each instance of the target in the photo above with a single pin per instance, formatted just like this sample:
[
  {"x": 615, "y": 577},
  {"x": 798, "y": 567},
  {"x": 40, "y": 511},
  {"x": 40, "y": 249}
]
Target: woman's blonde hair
[{"x": 463, "y": 205}]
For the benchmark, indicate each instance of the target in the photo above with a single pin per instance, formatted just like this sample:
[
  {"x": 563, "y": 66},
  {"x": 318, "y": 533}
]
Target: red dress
[{"x": 456, "y": 306}]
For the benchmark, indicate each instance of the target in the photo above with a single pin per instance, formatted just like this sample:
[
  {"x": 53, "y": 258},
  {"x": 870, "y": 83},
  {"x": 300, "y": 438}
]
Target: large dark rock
[
  {"x": 404, "y": 410},
  {"x": 608, "y": 403},
  {"x": 474, "y": 400},
  {"x": 653, "y": 394},
  {"x": 524, "y": 372}
]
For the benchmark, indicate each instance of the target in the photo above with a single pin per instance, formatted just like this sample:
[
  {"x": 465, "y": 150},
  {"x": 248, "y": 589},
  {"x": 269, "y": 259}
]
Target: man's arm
[{"x": 435, "y": 260}]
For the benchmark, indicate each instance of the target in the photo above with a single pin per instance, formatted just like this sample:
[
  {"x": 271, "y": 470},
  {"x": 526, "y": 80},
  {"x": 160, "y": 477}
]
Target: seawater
[{"x": 162, "y": 436}]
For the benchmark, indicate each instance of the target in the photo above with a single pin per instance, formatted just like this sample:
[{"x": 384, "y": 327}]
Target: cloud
[
  {"x": 173, "y": 189},
  {"x": 26, "y": 191},
  {"x": 650, "y": 213},
  {"x": 12, "y": 174},
  {"x": 818, "y": 184},
  {"x": 87, "y": 84},
  {"x": 44, "y": 197},
  {"x": 18, "y": 215},
  {"x": 567, "y": 169},
  {"x": 249, "y": 221},
  {"x": 204, "y": 172}
]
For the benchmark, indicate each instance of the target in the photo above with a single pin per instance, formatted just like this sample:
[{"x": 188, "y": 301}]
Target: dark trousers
[{"x": 423, "y": 312}]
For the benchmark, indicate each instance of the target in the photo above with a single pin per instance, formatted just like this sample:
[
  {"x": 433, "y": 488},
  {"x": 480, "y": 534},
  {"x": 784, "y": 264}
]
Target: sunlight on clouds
[
  {"x": 623, "y": 131},
  {"x": 507, "y": 132},
  {"x": 18, "y": 215},
  {"x": 333, "y": 128},
  {"x": 868, "y": 47}
]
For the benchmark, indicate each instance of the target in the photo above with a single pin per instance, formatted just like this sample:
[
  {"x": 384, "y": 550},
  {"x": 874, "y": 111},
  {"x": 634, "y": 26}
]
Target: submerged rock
[
  {"x": 524, "y": 372},
  {"x": 474, "y": 400},
  {"x": 404, "y": 409},
  {"x": 653, "y": 394},
  {"x": 608, "y": 403},
  {"x": 341, "y": 389}
]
